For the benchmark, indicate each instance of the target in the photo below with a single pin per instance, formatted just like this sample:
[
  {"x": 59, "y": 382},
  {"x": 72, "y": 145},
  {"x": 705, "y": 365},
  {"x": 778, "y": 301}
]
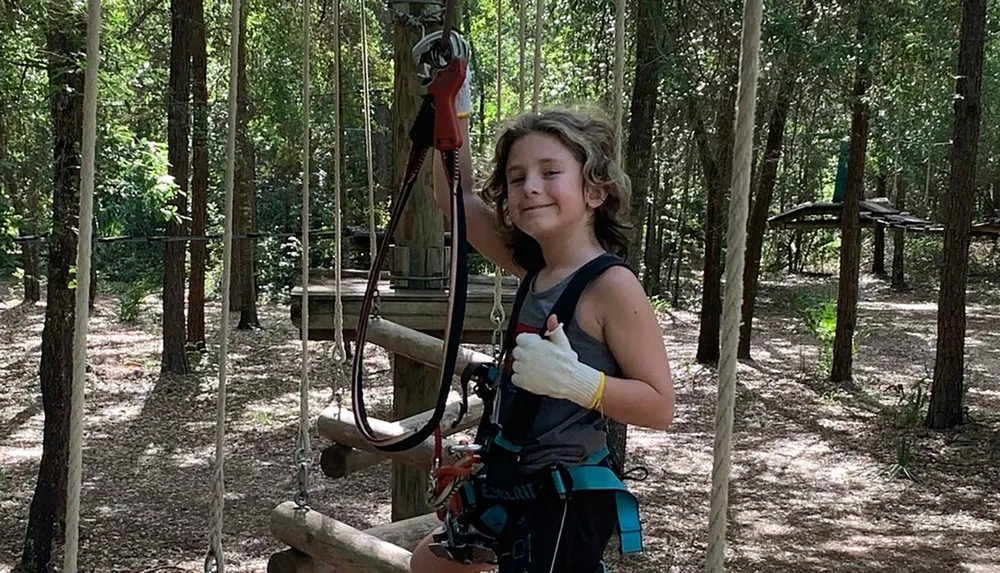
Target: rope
[
  {"x": 339, "y": 354},
  {"x": 215, "y": 556},
  {"x": 617, "y": 93},
  {"x": 521, "y": 41},
  {"x": 373, "y": 248},
  {"x": 82, "y": 316},
  {"x": 497, "y": 315},
  {"x": 303, "y": 450},
  {"x": 539, "y": 23},
  {"x": 736, "y": 246}
]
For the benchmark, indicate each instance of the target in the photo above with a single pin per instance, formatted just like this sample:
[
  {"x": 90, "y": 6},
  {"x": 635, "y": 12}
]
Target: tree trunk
[
  {"x": 645, "y": 93},
  {"x": 945, "y": 409},
  {"x": 899, "y": 242},
  {"x": 174, "y": 357},
  {"x": 653, "y": 254},
  {"x": 850, "y": 234},
  {"x": 878, "y": 247},
  {"x": 878, "y": 256},
  {"x": 24, "y": 207},
  {"x": 64, "y": 46},
  {"x": 716, "y": 166},
  {"x": 244, "y": 291},
  {"x": 757, "y": 225},
  {"x": 199, "y": 175},
  {"x": 682, "y": 227}
]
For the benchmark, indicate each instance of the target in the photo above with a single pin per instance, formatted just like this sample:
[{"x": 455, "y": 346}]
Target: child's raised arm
[{"x": 480, "y": 222}]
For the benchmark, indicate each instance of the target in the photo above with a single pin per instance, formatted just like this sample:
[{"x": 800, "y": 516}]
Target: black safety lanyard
[{"x": 436, "y": 126}]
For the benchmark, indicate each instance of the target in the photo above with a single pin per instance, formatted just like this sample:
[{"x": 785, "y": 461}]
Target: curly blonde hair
[{"x": 590, "y": 136}]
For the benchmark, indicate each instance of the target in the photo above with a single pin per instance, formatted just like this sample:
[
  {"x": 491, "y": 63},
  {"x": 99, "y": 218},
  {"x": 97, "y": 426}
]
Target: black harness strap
[{"x": 526, "y": 404}]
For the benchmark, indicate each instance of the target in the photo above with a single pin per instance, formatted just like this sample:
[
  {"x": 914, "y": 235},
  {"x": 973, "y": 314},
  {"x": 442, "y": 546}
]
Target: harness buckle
[{"x": 465, "y": 449}]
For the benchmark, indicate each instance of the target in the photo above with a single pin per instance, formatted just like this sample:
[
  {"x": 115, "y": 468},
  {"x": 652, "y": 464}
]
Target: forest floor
[{"x": 812, "y": 487}]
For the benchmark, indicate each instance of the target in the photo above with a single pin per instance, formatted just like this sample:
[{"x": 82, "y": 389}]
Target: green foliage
[
  {"x": 820, "y": 317},
  {"x": 279, "y": 266},
  {"x": 660, "y": 303},
  {"x": 8, "y": 248},
  {"x": 911, "y": 404},
  {"x": 130, "y": 299},
  {"x": 902, "y": 468}
]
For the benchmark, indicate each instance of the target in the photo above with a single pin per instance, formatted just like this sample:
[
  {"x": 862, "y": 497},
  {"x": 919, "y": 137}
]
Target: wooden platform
[{"x": 420, "y": 310}]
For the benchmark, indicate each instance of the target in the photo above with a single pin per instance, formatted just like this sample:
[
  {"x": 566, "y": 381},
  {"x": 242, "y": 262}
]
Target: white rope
[
  {"x": 82, "y": 316},
  {"x": 303, "y": 453},
  {"x": 522, "y": 25},
  {"x": 736, "y": 246},
  {"x": 618, "y": 91},
  {"x": 218, "y": 476},
  {"x": 339, "y": 354},
  {"x": 366, "y": 88},
  {"x": 539, "y": 24},
  {"x": 497, "y": 314}
]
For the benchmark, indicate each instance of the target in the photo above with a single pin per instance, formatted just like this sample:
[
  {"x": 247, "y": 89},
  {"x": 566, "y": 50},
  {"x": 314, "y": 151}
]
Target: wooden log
[
  {"x": 337, "y": 425},
  {"x": 341, "y": 548},
  {"x": 418, "y": 346},
  {"x": 339, "y": 460}
]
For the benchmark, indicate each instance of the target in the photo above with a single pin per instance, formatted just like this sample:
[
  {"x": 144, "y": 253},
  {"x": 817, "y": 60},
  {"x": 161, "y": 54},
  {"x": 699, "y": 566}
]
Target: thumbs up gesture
[{"x": 549, "y": 366}]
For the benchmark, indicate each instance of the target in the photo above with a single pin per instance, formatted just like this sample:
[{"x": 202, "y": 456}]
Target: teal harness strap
[{"x": 600, "y": 478}]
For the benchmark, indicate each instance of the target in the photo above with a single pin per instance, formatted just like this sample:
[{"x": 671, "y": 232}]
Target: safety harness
[{"x": 471, "y": 502}]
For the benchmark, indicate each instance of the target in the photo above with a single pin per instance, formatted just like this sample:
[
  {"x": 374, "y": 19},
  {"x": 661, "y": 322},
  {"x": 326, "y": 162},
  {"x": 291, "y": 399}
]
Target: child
[{"x": 557, "y": 202}]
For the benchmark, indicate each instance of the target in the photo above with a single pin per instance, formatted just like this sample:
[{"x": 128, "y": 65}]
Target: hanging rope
[
  {"x": 82, "y": 317},
  {"x": 617, "y": 94},
  {"x": 539, "y": 23},
  {"x": 339, "y": 353},
  {"x": 521, "y": 41},
  {"x": 214, "y": 560},
  {"x": 497, "y": 314},
  {"x": 303, "y": 449},
  {"x": 366, "y": 90},
  {"x": 372, "y": 231},
  {"x": 736, "y": 246}
]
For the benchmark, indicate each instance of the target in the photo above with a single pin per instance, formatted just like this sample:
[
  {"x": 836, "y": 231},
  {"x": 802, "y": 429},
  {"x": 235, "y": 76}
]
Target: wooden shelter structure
[{"x": 874, "y": 213}]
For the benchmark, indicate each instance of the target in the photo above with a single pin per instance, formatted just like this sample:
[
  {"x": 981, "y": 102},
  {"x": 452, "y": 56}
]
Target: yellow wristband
[{"x": 599, "y": 393}]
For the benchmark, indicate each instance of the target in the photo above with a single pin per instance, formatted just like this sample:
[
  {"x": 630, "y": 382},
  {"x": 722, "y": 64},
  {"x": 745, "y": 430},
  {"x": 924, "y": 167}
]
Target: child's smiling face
[{"x": 545, "y": 188}]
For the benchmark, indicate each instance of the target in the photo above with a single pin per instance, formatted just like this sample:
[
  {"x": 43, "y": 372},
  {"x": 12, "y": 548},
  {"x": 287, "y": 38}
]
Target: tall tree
[
  {"x": 243, "y": 290},
  {"x": 850, "y": 230},
  {"x": 945, "y": 408},
  {"x": 899, "y": 240},
  {"x": 178, "y": 97},
  {"x": 767, "y": 179},
  {"x": 24, "y": 199},
  {"x": 716, "y": 164},
  {"x": 878, "y": 254},
  {"x": 199, "y": 174},
  {"x": 645, "y": 93},
  {"x": 64, "y": 42}
]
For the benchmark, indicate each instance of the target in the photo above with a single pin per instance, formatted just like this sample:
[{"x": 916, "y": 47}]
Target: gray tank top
[{"x": 562, "y": 432}]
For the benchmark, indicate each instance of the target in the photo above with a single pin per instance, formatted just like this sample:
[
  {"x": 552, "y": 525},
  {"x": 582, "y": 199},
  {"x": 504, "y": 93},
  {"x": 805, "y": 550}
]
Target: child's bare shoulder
[
  {"x": 617, "y": 294},
  {"x": 618, "y": 282}
]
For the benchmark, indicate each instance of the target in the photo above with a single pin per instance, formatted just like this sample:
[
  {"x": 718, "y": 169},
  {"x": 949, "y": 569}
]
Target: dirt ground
[{"x": 811, "y": 485}]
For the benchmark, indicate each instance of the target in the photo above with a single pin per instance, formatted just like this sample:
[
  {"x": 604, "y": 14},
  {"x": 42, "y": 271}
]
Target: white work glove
[
  {"x": 424, "y": 60},
  {"x": 549, "y": 366}
]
